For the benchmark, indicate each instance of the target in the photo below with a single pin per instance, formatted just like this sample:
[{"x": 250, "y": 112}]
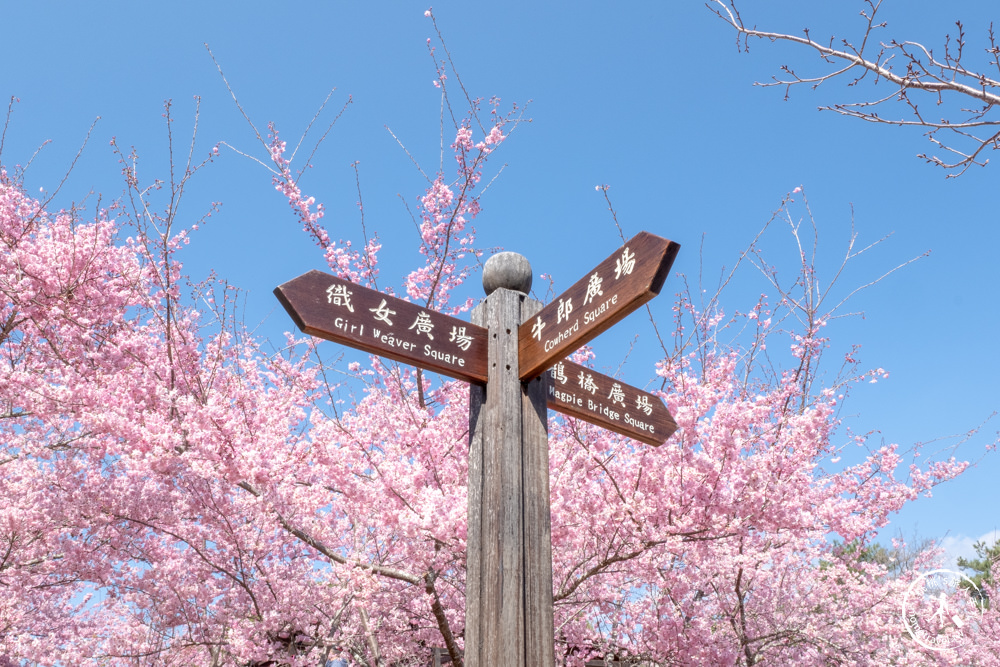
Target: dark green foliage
[{"x": 981, "y": 572}]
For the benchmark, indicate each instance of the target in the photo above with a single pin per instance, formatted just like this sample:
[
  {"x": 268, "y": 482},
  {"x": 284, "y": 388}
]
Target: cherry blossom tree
[{"x": 174, "y": 494}]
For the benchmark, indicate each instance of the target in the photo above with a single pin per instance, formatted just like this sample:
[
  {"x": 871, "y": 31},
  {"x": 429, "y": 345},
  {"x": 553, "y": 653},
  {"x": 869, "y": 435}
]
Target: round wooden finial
[{"x": 508, "y": 270}]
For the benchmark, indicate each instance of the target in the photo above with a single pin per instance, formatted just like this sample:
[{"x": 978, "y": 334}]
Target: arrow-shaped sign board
[
  {"x": 580, "y": 392},
  {"x": 630, "y": 277},
  {"x": 328, "y": 307}
]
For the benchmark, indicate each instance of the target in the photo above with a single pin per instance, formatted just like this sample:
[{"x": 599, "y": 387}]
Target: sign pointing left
[{"x": 329, "y": 307}]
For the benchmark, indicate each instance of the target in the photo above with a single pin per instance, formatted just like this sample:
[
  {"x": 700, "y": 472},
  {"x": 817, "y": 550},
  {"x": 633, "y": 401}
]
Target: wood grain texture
[
  {"x": 326, "y": 306},
  {"x": 628, "y": 278},
  {"x": 509, "y": 560},
  {"x": 538, "y": 613},
  {"x": 474, "y": 536},
  {"x": 584, "y": 393}
]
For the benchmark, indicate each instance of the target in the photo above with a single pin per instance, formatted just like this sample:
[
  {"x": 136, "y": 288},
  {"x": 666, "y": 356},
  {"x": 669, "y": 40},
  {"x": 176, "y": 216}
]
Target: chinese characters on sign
[
  {"x": 624, "y": 281},
  {"x": 583, "y": 393},
  {"x": 328, "y": 307}
]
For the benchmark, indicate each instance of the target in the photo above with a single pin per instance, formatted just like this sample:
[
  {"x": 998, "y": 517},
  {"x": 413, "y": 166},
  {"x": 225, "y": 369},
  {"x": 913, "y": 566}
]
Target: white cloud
[{"x": 962, "y": 546}]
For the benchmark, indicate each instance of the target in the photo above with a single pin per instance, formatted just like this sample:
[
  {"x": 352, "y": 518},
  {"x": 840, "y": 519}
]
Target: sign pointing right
[
  {"x": 630, "y": 277},
  {"x": 583, "y": 393}
]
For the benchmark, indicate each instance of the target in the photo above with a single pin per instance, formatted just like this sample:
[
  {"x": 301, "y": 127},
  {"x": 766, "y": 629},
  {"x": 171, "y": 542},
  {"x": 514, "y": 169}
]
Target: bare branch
[
  {"x": 72, "y": 164},
  {"x": 232, "y": 94},
  {"x": 389, "y": 572},
  {"x": 6, "y": 123},
  {"x": 912, "y": 71}
]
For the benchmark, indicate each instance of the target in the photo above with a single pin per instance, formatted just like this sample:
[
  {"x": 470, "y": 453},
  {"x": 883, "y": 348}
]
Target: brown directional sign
[
  {"x": 630, "y": 277},
  {"x": 580, "y": 392},
  {"x": 328, "y": 307}
]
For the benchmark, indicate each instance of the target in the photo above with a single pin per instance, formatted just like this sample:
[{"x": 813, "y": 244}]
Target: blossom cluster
[{"x": 175, "y": 494}]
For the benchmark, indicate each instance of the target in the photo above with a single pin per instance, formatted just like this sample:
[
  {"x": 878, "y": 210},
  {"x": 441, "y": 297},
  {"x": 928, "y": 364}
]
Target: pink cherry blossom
[{"x": 177, "y": 492}]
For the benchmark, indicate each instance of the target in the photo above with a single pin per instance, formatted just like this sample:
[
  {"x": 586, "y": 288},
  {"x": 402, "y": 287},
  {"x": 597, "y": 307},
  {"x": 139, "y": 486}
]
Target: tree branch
[{"x": 918, "y": 71}]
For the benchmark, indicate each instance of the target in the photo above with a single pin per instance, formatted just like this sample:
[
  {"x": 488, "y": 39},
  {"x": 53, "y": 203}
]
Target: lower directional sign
[
  {"x": 329, "y": 307},
  {"x": 581, "y": 392}
]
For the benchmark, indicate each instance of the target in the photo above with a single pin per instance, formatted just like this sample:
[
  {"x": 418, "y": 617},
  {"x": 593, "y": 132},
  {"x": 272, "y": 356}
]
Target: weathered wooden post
[{"x": 509, "y": 563}]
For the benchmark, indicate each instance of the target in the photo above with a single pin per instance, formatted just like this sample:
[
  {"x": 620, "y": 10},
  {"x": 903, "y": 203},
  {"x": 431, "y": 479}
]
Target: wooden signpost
[{"x": 503, "y": 354}]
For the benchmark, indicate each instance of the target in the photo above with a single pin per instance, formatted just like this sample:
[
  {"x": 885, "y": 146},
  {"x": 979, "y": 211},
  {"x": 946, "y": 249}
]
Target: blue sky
[{"x": 651, "y": 98}]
